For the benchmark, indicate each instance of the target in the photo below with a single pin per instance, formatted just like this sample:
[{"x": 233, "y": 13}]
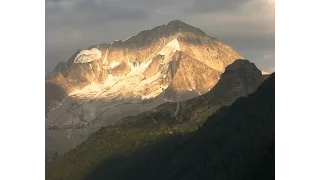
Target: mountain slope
[
  {"x": 236, "y": 142},
  {"x": 104, "y": 83},
  {"x": 149, "y": 139}
]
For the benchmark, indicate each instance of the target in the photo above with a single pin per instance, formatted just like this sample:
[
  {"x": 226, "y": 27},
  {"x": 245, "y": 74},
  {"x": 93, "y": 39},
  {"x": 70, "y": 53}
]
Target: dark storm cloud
[{"x": 246, "y": 25}]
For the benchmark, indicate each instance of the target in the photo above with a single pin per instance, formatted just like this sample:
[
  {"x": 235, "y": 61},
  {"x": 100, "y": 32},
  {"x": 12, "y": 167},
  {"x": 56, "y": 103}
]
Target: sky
[{"x": 248, "y": 26}]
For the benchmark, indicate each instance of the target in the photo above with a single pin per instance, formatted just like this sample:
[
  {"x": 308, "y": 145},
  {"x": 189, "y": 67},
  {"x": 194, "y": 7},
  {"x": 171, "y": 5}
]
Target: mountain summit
[{"x": 106, "y": 82}]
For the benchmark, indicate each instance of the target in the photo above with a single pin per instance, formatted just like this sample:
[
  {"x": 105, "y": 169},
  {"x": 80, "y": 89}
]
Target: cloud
[
  {"x": 208, "y": 6},
  {"x": 108, "y": 11},
  {"x": 246, "y": 25},
  {"x": 238, "y": 14},
  {"x": 88, "y": 12}
]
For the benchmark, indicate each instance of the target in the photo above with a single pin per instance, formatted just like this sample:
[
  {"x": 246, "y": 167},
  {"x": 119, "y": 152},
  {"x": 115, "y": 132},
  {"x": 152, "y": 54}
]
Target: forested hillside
[{"x": 236, "y": 142}]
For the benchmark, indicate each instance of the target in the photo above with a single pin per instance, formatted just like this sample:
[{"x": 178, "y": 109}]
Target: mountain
[
  {"x": 132, "y": 133},
  {"x": 104, "y": 83}
]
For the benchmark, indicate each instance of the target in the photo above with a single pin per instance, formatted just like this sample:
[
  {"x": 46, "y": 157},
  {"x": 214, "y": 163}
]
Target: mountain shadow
[{"x": 237, "y": 142}]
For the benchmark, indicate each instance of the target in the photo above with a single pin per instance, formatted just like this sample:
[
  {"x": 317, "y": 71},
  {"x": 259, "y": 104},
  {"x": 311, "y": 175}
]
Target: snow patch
[
  {"x": 170, "y": 48},
  {"x": 133, "y": 82},
  {"x": 86, "y": 56},
  {"x": 114, "y": 64}
]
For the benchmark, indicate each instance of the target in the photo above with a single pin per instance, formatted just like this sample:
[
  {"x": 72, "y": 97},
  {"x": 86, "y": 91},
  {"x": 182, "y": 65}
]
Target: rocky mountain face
[
  {"x": 239, "y": 79},
  {"x": 101, "y": 84}
]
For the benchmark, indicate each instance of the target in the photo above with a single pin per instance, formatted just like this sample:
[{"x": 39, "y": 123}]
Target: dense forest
[{"x": 236, "y": 142}]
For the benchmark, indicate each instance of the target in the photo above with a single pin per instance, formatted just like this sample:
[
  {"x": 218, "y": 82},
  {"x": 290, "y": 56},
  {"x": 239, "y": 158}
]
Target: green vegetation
[{"x": 236, "y": 142}]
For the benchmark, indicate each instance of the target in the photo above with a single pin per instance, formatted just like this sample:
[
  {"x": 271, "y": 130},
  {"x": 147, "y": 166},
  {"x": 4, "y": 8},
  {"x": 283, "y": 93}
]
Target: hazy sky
[{"x": 245, "y": 25}]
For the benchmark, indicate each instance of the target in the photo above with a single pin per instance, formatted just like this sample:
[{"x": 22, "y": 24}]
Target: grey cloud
[
  {"x": 88, "y": 12},
  {"x": 108, "y": 11},
  {"x": 205, "y": 6}
]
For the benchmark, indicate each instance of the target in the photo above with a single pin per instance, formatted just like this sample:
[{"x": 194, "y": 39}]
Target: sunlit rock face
[{"x": 106, "y": 82}]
